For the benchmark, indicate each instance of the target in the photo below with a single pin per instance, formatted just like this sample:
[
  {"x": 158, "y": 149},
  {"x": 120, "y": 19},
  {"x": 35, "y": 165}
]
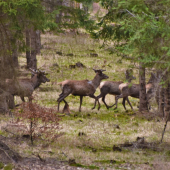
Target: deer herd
[{"x": 25, "y": 88}]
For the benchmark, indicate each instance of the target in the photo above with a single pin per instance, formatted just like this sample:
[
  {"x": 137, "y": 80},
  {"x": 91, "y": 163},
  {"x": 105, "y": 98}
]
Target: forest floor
[{"x": 91, "y": 139}]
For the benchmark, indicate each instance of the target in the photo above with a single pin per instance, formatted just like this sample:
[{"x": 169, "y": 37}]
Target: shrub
[{"x": 40, "y": 121}]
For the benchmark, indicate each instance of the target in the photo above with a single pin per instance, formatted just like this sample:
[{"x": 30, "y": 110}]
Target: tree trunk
[
  {"x": 59, "y": 16},
  {"x": 33, "y": 62},
  {"x": 38, "y": 41},
  {"x": 143, "y": 105},
  {"x": 160, "y": 101},
  {"x": 28, "y": 54},
  {"x": 167, "y": 100},
  {"x": 14, "y": 52}
]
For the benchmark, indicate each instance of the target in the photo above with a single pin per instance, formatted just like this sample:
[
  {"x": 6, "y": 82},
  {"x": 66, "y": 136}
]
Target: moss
[
  {"x": 1, "y": 165},
  {"x": 8, "y": 167},
  {"x": 168, "y": 153}
]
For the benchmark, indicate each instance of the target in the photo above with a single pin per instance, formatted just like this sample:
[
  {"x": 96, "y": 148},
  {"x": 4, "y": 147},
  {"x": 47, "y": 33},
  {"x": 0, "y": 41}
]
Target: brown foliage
[{"x": 40, "y": 121}]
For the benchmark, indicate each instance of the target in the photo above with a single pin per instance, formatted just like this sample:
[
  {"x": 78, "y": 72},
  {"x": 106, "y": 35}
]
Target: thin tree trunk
[
  {"x": 33, "y": 62},
  {"x": 59, "y": 16},
  {"x": 167, "y": 100},
  {"x": 28, "y": 47},
  {"x": 143, "y": 105},
  {"x": 161, "y": 101},
  {"x": 14, "y": 52},
  {"x": 38, "y": 41}
]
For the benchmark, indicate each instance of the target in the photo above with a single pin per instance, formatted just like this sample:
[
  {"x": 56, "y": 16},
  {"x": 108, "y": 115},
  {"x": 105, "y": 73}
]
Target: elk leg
[
  {"x": 81, "y": 100},
  {"x": 117, "y": 98},
  {"x": 61, "y": 98},
  {"x": 94, "y": 104},
  {"x": 94, "y": 97},
  {"x": 11, "y": 102},
  {"x": 129, "y": 103},
  {"x": 103, "y": 99},
  {"x": 97, "y": 100},
  {"x": 112, "y": 105},
  {"x": 123, "y": 103},
  {"x": 30, "y": 98},
  {"x": 22, "y": 98}
]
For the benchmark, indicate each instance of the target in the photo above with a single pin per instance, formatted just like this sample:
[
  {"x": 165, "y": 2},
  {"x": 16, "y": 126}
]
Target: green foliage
[
  {"x": 22, "y": 11},
  {"x": 138, "y": 28}
]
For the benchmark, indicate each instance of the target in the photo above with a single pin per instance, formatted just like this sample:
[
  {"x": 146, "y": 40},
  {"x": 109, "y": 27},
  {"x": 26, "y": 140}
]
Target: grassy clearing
[{"x": 89, "y": 136}]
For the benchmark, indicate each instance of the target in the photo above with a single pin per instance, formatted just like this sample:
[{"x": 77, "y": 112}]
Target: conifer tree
[{"x": 140, "y": 31}]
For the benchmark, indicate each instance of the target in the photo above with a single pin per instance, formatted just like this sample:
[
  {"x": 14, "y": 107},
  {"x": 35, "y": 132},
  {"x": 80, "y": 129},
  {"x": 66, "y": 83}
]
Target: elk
[
  {"x": 25, "y": 87},
  {"x": 6, "y": 101},
  {"x": 133, "y": 90},
  {"x": 112, "y": 87},
  {"x": 81, "y": 87}
]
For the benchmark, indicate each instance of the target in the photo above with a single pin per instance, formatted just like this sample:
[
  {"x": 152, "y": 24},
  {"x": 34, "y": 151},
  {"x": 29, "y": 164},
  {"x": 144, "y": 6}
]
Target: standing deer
[
  {"x": 112, "y": 87},
  {"x": 25, "y": 87},
  {"x": 133, "y": 90},
  {"x": 81, "y": 87}
]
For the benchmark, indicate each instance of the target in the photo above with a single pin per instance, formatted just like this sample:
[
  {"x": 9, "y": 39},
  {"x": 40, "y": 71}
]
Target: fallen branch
[{"x": 7, "y": 154}]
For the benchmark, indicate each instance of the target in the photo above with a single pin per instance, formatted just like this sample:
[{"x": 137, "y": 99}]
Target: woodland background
[{"x": 53, "y": 36}]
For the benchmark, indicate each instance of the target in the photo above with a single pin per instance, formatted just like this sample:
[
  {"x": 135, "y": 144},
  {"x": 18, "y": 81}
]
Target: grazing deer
[
  {"x": 25, "y": 87},
  {"x": 81, "y": 87},
  {"x": 112, "y": 87},
  {"x": 133, "y": 89}
]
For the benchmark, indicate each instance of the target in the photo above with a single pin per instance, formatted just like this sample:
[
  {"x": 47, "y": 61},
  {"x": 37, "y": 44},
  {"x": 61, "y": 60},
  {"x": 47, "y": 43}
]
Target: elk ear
[{"x": 95, "y": 70}]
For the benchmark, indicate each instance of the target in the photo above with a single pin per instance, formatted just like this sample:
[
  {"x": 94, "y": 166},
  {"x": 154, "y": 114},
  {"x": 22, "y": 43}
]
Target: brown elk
[
  {"x": 6, "y": 101},
  {"x": 81, "y": 87},
  {"x": 112, "y": 87},
  {"x": 133, "y": 89},
  {"x": 25, "y": 87}
]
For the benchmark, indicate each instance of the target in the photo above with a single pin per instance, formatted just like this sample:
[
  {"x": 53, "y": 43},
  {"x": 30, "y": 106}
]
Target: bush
[{"x": 40, "y": 121}]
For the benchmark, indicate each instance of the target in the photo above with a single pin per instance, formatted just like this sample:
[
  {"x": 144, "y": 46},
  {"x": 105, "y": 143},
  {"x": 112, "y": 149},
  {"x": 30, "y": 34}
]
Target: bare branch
[{"x": 130, "y": 13}]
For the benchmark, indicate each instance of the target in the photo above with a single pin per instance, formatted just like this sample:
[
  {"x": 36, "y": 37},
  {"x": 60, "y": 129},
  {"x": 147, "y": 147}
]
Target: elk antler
[
  {"x": 100, "y": 70},
  {"x": 43, "y": 72},
  {"x": 34, "y": 71}
]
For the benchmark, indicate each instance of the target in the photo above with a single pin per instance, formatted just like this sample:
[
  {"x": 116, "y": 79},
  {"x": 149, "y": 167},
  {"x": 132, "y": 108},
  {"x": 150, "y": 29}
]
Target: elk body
[
  {"x": 81, "y": 87},
  {"x": 6, "y": 101},
  {"x": 26, "y": 87},
  {"x": 133, "y": 90},
  {"x": 112, "y": 87}
]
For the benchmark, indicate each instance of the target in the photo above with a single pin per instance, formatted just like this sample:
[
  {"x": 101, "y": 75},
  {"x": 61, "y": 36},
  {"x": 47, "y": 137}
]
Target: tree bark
[
  {"x": 143, "y": 104},
  {"x": 160, "y": 101},
  {"x": 38, "y": 41},
  {"x": 28, "y": 54},
  {"x": 59, "y": 16},
  {"x": 33, "y": 62},
  {"x": 167, "y": 99},
  {"x": 160, "y": 95},
  {"x": 14, "y": 52}
]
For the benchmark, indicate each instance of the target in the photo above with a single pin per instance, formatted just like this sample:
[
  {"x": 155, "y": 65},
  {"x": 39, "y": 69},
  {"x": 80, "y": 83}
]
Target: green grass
[{"x": 94, "y": 149}]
